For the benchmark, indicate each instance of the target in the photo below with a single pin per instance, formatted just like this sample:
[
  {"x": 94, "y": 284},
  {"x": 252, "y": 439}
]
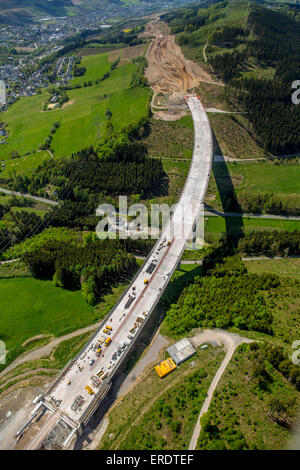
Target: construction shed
[
  {"x": 165, "y": 367},
  {"x": 181, "y": 351}
]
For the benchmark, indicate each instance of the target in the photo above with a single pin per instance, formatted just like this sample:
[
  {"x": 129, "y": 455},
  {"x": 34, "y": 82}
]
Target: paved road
[
  {"x": 30, "y": 196},
  {"x": 213, "y": 212},
  {"x": 230, "y": 341}
]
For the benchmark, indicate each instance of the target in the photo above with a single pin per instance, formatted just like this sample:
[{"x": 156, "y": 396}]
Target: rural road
[
  {"x": 230, "y": 341},
  {"x": 213, "y": 212},
  {"x": 36, "y": 198}
]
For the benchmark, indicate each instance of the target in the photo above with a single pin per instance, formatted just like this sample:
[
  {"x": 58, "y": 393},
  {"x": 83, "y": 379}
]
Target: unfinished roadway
[{"x": 138, "y": 301}]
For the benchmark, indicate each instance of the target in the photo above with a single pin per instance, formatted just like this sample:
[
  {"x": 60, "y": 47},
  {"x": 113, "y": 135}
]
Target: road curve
[{"x": 230, "y": 341}]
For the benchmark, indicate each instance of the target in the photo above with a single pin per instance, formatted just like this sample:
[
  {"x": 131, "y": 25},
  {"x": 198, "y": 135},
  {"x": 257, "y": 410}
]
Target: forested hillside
[{"x": 242, "y": 36}]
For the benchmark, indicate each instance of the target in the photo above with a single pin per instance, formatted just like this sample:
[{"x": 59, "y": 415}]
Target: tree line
[
  {"x": 91, "y": 267},
  {"x": 270, "y": 243}
]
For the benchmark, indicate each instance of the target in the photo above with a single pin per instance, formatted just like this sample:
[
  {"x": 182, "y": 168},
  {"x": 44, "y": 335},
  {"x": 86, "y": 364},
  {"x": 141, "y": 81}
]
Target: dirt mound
[{"x": 168, "y": 71}]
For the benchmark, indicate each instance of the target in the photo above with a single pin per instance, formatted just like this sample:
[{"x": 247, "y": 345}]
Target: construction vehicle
[
  {"x": 89, "y": 390},
  {"x": 108, "y": 327},
  {"x": 100, "y": 373},
  {"x": 146, "y": 281},
  {"x": 107, "y": 332},
  {"x": 104, "y": 376},
  {"x": 107, "y": 342},
  {"x": 69, "y": 382},
  {"x": 99, "y": 350},
  {"x": 132, "y": 330},
  {"x": 169, "y": 243},
  {"x": 101, "y": 339}
]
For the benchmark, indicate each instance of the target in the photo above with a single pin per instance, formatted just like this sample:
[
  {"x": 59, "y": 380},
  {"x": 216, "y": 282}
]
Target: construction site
[
  {"x": 64, "y": 410},
  {"x": 169, "y": 73}
]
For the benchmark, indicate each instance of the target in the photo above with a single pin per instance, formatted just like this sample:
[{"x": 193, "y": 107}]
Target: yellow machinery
[
  {"x": 99, "y": 350},
  {"x": 108, "y": 327},
  {"x": 107, "y": 341},
  {"x": 165, "y": 367},
  {"x": 146, "y": 281},
  {"x": 89, "y": 390}
]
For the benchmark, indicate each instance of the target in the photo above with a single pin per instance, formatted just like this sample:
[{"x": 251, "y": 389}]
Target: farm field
[
  {"x": 82, "y": 118},
  {"x": 216, "y": 226},
  {"x": 31, "y": 307},
  {"x": 278, "y": 178},
  {"x": 96, "y": 66},
  {"x": 23, "y": 165}
]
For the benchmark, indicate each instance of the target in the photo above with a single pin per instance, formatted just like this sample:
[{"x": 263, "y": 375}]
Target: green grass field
[
  {"x": 30, "y": 307},
  {"x": 96, "y": 66},
  {"x": 215, "y": 226},
  {"x": 23, "y": 165},
  {"x": 267, "y": 176},
  {"x": 82, "y": 118},
  {"x": 280, "y": 179}
]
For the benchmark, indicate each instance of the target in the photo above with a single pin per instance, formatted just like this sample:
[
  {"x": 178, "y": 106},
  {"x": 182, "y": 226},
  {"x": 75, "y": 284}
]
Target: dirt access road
[
  {"x": 231, "y": 341},
  {"x": 169, "y": 73}
]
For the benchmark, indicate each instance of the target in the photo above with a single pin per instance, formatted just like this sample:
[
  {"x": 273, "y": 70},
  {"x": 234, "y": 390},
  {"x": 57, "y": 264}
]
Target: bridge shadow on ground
[{"x": 234, "y": 225}]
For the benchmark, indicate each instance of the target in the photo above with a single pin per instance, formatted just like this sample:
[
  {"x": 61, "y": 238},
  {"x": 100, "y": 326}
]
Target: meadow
[
  {"x": 96, "y": 66},
  {"x": 30, "y": 307},
  {"x": 23, "y": 166},
  {"x": 280, "y": 178},
  {"x": 232, "y": 133},
  {"x": 216, "y": 226},
  {"x": 82, "y": 118}
]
